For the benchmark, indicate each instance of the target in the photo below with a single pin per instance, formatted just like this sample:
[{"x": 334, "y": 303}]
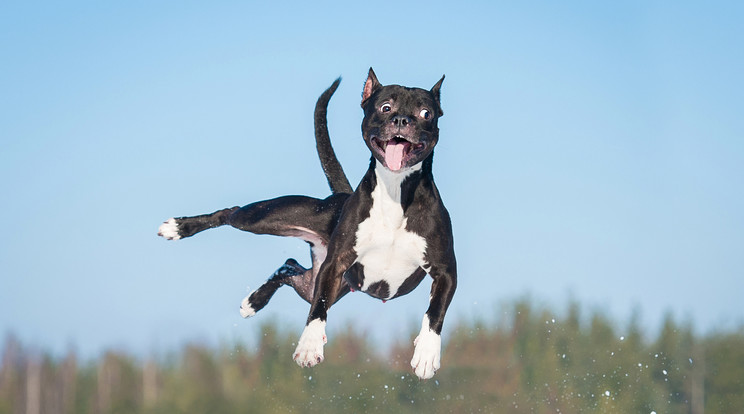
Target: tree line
[{"x": 532, "y": 360}]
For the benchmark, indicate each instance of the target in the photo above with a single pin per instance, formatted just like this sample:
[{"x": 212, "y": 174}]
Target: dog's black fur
[{"x": 382, "y": 238}]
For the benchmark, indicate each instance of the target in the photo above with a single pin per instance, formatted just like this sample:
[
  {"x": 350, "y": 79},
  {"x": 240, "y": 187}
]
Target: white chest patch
[{"x": 386, "y": 249}]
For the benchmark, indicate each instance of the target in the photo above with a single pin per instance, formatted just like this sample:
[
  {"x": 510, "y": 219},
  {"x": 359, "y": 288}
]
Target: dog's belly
[{"x": 389, "y": 257}]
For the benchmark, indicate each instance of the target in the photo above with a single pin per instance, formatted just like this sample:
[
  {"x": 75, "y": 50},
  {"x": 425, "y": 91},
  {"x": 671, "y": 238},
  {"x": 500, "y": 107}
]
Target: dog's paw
[
  {"x": 309, "y": 351},
  {"x": 169, "y": 230},
  {"x": 246, "y": 309},
  {"x": 427, "y": 352}
]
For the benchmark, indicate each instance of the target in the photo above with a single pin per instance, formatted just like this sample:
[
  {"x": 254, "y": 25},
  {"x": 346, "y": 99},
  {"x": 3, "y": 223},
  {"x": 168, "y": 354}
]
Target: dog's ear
[
  {"x": 370, "y": 86},
  {"x": 435, "y": 91}
]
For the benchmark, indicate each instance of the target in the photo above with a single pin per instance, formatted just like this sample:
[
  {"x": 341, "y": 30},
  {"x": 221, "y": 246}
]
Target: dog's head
[{"x": 400, "y": 124}]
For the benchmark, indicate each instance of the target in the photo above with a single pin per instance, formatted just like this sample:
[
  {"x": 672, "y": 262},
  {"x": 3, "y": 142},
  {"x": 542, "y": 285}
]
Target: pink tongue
[{"x": 394, "y": 155}]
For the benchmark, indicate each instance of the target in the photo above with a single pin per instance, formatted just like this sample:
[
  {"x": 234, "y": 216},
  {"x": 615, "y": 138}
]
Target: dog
[{"x": 382, "y": 238}]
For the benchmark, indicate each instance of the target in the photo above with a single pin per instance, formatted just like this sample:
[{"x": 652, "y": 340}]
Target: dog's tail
[{"x": 331, "y": 167}]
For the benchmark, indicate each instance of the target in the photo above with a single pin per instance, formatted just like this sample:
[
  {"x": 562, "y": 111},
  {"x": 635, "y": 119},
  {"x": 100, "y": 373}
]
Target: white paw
[
  {"x": 428, "y": 349},
  {"x": 309, "y": 351},
  {"x": 246, "y": 309},
  {"x": 169, "y": 230}
]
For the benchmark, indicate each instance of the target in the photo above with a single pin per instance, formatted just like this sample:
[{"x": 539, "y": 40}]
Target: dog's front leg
[
  {"x": 428, "y": 343},
  {"x": 329, "y": 287}
]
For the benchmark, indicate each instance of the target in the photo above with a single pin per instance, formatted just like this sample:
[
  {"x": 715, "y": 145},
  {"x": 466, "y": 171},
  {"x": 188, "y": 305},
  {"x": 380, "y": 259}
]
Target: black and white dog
[{"x": 381, "y": 239}]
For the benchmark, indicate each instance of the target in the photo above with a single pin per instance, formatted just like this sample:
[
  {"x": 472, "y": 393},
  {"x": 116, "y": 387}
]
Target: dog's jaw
[{"x": 398, "y": 152}]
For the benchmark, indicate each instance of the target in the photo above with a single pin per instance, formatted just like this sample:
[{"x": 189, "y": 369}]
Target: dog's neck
[{"x": 391, "y": 181}]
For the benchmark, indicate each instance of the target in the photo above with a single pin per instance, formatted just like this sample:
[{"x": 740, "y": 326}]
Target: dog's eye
[
  {"x": 386, "y": 107},
  {"x": 425, "y": 114}
]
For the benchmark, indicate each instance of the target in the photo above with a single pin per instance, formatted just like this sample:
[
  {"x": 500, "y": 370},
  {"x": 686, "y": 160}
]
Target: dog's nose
[{"x": 401, "y": 121}]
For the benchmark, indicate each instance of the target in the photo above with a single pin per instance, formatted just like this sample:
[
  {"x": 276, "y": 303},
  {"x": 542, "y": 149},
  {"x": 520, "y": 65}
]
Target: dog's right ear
[{"x": 370, "y": 86}]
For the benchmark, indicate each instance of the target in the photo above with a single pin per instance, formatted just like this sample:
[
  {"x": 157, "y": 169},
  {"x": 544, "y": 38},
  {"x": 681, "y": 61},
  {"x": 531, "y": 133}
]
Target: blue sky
[{"x": 589, "y": 152}]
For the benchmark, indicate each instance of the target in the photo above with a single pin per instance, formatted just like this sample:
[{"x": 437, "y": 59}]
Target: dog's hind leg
[
  {"x": 181, "y": 227},
  {"x": 294, "y": 216},
  {"x": 306, "y": 218},
  {"x": 291, "y": 273}
]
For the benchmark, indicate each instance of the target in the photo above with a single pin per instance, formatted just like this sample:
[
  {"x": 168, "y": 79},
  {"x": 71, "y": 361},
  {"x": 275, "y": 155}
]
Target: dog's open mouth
[{"x": 397, "y": 151}]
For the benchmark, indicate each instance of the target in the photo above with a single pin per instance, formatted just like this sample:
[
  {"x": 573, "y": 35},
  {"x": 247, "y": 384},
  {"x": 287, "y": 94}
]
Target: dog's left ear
[
  {"x": 370, "y": 86},
  {"x": 435, "y": 91}
]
